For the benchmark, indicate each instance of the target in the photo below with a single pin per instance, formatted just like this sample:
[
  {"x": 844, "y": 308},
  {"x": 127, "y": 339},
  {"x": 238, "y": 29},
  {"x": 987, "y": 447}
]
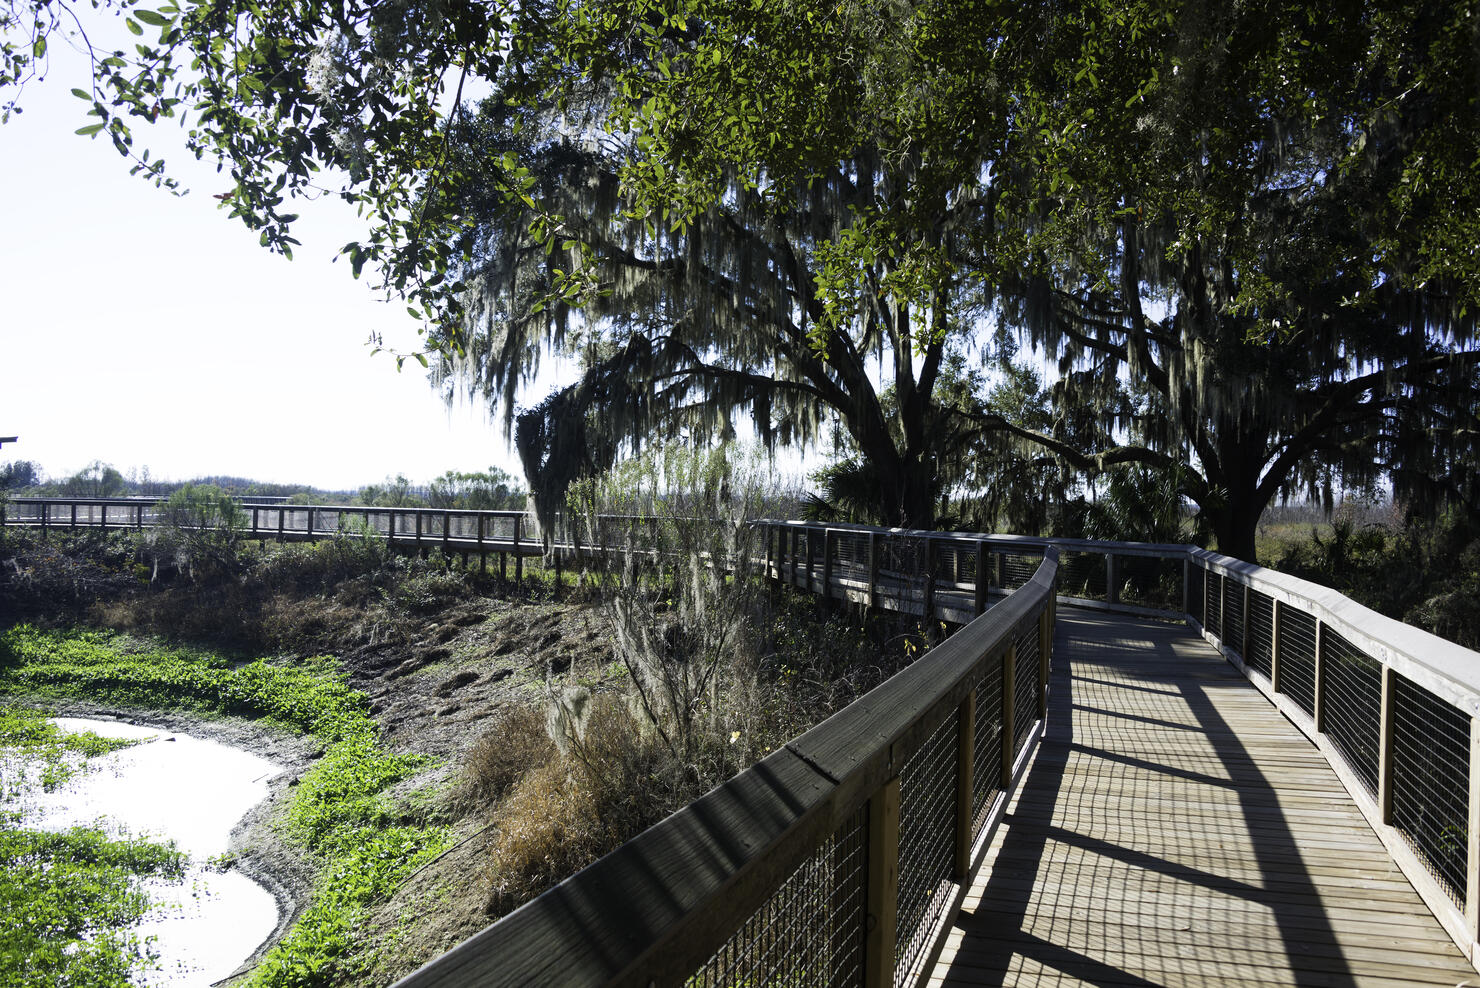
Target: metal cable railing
[
  {"x": 1259, "y": 655},
  {"x": 927, "y": 820},
  {"x": 1431, "y": 745},
  {"x": 1298, "y": 658},
  {"x": 808, "y": 930},
  {"x": 839, "y": 859},
  {"x": 1393, "y": 709}
]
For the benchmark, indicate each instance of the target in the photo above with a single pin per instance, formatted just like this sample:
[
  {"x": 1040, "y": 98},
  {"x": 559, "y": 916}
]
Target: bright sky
[{"x": 152, "y": 331}]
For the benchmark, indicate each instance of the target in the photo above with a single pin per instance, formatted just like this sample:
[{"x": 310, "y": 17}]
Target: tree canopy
[{"x": 1246, "y": 235}]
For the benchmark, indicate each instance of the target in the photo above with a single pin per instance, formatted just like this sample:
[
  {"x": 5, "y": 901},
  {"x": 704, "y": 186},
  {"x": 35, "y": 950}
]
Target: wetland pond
[{"x": 174, "y": 787}]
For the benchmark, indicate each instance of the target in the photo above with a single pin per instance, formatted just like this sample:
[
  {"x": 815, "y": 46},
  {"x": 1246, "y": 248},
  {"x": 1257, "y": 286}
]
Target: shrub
[{"x": 199, "y": 533}]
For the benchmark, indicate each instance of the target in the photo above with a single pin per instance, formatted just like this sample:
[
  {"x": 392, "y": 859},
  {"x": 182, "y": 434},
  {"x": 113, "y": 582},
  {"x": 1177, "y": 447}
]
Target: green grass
[{"x": 338, "y": 811}]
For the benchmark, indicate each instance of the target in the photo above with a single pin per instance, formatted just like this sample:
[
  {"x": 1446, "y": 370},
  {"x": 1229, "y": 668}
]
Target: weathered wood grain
[{"x": 1175, "y": 829}]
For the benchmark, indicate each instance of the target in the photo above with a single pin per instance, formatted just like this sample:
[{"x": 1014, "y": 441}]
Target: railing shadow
[{"x": 1146, "y": 840}]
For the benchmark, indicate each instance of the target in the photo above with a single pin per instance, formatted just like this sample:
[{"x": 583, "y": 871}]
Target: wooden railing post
[
  {"x": 965, "y": 767},
  {"x": 1009, "y": 729},
  {"x": 1112, "y": 578},
  {"x": 1000, "y": 560},
  {"x": 73, "y": 523},
  {"x": 518, "y": 556},
  {"x": 770, "y": 549},
  {"x": 873, "y": 569},
  {"x": 254, "y": 520},
  {"x": 309, "y": 529},
  {"x": 1385, "y": 750},
  {"x": 1274, "y": 646},
  {"x": 883, "y": 886},
  {"x": 1319, "y": 714},
  {"x": 929, "y": 603},
  {"x": 956, "y": 563},
  {"x": 829, "y": 544},
  {"x": 446, "y": 532},
  {"x": 45, "y": 518},
  {"x": 981, "y": 577}
]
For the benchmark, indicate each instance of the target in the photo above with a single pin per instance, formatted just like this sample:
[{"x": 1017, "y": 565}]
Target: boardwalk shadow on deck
[{"x": 1137, "y": 915}]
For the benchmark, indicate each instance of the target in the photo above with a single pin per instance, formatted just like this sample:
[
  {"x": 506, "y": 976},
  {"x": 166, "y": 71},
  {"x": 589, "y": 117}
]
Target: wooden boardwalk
[{"x": 1175, "y": 829}]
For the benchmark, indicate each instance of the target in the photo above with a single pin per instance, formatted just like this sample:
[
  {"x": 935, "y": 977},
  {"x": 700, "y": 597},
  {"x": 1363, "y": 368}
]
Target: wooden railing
[
  {"x": 828, "y": 820},
  {"x": 838, "y": 859},
  {"x": 1393, "y": 709}
]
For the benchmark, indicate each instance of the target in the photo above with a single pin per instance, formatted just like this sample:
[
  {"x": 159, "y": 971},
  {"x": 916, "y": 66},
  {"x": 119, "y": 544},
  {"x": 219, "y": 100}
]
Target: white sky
[{"x": 147, "y": 330}]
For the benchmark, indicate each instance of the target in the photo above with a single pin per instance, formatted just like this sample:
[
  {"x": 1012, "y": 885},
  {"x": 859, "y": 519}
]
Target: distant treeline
[{"x": 491, "y": 489}]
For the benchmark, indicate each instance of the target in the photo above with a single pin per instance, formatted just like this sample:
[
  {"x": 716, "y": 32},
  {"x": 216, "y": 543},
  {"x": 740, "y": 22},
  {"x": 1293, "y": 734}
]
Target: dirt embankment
[{"x": 437, "y": 653}]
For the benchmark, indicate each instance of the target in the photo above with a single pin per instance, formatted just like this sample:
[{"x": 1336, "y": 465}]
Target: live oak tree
[
  {"x": 1259, "y": 221},
  {"x": 723, "y": 317},
  {"x": 1235, "y": 213}
]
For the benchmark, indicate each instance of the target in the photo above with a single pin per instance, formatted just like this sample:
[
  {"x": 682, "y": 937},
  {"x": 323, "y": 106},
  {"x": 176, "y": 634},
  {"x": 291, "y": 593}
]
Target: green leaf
[
  {"x": 133, "y": 25},
  {"x": 82, "y": 94},
  {"x": 39, "y": 47},
  {"x": 90, "y": 129},
  {"x": 421, "y": 358},
  {"x": 151, "y": 18}
]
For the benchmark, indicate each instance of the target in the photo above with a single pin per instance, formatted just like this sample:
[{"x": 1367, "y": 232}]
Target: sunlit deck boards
[{"x": 1175, "y": 829}]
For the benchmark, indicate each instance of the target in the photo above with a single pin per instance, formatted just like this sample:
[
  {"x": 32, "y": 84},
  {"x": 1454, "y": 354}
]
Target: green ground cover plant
[
  {"x": 338, "y": 811},
  {"x": 26, "y": 734},
  {"x": 67, "y": 902}
]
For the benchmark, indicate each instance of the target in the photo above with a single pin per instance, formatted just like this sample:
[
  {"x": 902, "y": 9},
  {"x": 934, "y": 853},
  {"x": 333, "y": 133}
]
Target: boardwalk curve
[{"x": 1176, "y": 829}]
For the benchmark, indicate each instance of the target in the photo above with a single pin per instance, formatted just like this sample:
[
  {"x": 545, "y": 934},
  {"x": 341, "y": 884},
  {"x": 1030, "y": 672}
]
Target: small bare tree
[{"x": 674, "y": 555}]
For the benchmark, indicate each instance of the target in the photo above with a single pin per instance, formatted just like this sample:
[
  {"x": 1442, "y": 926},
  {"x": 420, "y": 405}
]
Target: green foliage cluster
[
  {"x": 67, "y": 901},
  {"x": 337, "y": 811},
  {"x": 28, "y": 732},
  {"x": 1425, "y": 573}
]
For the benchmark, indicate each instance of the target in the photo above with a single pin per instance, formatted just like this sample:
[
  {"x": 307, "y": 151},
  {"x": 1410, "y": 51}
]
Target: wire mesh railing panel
[
  {"x": 807, "y": 933},
  {"x": 1196, "y": 577},
  {"x": 927, "y": 843},
  {"x": 1298, "y": 658},
  {"x": 1351, "y": 704},
  {"x": 1214, "y": 622},
  {"x": 851, "y": 554},
  {"x": 1082, "y": 574},
  {"x": 1431, "y": 780},
  {"x": 1258, "y": 650},
  {"x": 1025, "y": 686},
  {"x": 1150, "y": 581},
  {"x": 1017, "y": 569},
  {"x": 964, "y": 563},
  {"x": 986, "y": 758},
  {"x": 1232, "y": 615},
  {"x": 903, "y": 556}
]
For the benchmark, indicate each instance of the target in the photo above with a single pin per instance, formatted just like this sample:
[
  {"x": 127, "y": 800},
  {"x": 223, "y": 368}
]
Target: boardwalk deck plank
[{"x": 1175, "y": 829}]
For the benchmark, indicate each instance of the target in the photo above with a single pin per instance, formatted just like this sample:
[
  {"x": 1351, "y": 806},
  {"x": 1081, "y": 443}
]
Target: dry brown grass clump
[
  {"x": 515, "y": 743},
  {"x": 566, "y": 812}
]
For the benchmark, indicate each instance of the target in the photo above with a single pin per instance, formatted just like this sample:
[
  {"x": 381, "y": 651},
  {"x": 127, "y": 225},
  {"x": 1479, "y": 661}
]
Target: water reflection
[{"x": 192, "y": 791}]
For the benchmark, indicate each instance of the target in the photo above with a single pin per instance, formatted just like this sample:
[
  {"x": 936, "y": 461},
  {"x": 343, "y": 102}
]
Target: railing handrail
[
  {"x": 1444, "y": 668},
  {"x": 657, "y": 908}
]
